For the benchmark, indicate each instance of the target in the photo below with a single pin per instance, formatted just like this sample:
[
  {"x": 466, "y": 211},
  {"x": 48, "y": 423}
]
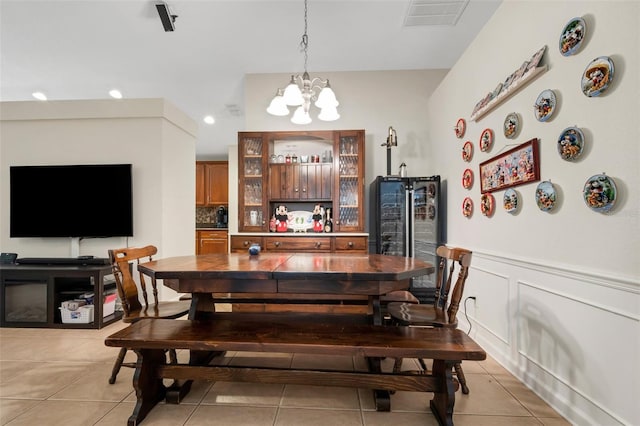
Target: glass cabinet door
[
  {"x": 252, "y": 174},
  {"x": 349, "y": 215}
]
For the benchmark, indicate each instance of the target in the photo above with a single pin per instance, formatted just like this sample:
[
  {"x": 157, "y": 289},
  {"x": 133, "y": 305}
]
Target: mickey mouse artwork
[
  {"x": 318, "y": 216},
  {"x": 282, "y": 218}
]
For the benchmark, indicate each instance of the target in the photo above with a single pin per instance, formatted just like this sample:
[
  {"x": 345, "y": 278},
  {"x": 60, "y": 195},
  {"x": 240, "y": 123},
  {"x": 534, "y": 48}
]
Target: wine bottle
[{"x": 328, "y": 223}]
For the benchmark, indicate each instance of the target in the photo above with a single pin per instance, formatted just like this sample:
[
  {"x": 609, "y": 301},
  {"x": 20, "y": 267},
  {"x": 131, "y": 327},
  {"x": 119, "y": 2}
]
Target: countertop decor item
[
  {"x": 570, "y": 143},
  {"x": 572, "y": 36},
  {"x": 600, "y": 193},
  {"x": 545, "y": 105},
  {"x": 546, "y": 196},
  {"x": 597, "y": 76}
]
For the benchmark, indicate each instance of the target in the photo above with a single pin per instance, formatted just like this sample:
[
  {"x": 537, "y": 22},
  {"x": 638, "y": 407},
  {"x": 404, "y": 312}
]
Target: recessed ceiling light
[
  {"x": 39, "y": 96},
  {"x": 209, "y": 119},
  {"x": 115, "y": 94}
]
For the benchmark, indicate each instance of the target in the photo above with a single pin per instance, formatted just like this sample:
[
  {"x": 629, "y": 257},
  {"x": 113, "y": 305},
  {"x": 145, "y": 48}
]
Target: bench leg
[
  {"x": 148, "y": 386},
  {"x": 382, "y": 397},
  {"x": 444, "y": 399}
]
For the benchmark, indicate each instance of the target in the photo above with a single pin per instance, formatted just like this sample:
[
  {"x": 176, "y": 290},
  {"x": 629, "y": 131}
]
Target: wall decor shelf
[{"x": 505, "y": 94}]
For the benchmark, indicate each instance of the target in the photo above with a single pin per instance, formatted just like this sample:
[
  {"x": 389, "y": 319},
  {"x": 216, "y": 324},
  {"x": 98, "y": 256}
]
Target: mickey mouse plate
[
  {"x": 467, "y": 151},
  {"x": 572, "y": 36},
  {"x": 487, "y": 204},
  {"x": 546, "y": 196},
  {"x": 486, "y": 140},
  {"x": 460, "y": 128},
  {"x": 600, "y": 193},
  {"x": 545, "y": 105},
  {"x": 467, "y": 207},
  {"x": 597, "y": 76},
  {"x": 570, "y": 143},
  {"x": 467, "y": 179},
  {"x": 511, "y": 125}
]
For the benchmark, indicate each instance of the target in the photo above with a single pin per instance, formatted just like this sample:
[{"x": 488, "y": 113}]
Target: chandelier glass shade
[{"x": 302, "y": 90}]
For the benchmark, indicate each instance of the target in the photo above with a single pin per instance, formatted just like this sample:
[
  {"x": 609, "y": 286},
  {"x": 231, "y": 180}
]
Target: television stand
[
  {"x": 64, "y": 261},
  {"x": 30, "y": 294}
]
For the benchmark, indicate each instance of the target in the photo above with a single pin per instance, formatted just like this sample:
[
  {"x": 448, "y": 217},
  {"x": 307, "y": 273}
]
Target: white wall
[
  {"x": 151, "y": 134},
  {"x": 557, "y": 292},
  {"x": 370, "y": 100}
]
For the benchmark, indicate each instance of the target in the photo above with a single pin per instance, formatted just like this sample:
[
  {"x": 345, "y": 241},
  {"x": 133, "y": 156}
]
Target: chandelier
[{"x": 302, "y": 90}]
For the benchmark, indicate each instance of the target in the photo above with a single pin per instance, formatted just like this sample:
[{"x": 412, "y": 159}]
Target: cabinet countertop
[{"x": 299, "y": 234}]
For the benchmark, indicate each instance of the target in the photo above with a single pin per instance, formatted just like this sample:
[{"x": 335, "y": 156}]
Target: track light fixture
[{"x": 165, "y": 16}]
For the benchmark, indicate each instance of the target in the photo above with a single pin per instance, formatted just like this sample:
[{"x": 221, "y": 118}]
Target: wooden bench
[{"x": 276, "y": 333}]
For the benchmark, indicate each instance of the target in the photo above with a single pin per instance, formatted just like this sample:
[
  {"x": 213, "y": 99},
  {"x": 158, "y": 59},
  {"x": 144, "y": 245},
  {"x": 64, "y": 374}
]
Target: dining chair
[
  {"x": 134, "y": 309},
  {"x": 443, "y": 312}
]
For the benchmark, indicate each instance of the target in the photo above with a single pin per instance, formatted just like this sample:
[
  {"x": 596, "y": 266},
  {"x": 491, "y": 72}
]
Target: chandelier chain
[{"x": 304, "y": 44}]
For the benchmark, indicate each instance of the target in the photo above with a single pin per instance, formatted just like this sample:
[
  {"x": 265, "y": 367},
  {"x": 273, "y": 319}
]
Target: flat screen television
[{"x": 87, "y": 200}]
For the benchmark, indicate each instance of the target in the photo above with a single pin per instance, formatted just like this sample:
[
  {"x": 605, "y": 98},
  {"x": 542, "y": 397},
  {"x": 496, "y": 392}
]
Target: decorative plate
[
  {"x": 467, "y": 151},
  {"x": 487, "y": 204},
  {"x": 467, "y": 207},
  {"x": 535, "y": 59},
  {"x": 300, "y": 220},
  {"x": 496, "y": 91},
  {"x": 545, "y": 105},
  {"x": 570, "y": 143},
  {"x": 511, "y": 125},
  {"x": 597, "y": 76},
  {"x": 460, "y": 128},
  {"x": 510, "y": 200},
  {"x": 467, "y": 179},
  {"x": 486, "y": 140},
  {"x": 572, "y": 36},
  {"x": 545, "y": 196},
  {"x": 600, "y": 193}
]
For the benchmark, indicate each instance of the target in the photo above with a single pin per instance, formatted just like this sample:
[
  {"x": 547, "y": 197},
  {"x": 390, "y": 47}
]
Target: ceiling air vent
[{"x": 434, "y": 12}]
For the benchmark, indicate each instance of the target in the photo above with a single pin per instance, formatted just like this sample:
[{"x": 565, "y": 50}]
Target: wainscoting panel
[{"x": 572, "y": 337}]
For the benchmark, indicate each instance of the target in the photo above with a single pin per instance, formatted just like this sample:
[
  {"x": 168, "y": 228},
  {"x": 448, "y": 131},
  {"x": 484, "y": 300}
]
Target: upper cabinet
[
  {"x": 212, "y": 183},
  {"x": 300, "y": 170}
]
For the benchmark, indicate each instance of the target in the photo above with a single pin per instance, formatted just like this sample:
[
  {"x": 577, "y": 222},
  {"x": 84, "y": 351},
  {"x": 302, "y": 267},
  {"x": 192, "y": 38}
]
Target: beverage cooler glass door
[
  {"x": 426, "y": 228},
  {"x": 393, "y": 212}
]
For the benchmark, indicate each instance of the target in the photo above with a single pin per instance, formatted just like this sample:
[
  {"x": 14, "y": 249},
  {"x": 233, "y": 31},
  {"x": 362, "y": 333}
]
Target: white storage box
[
  {"x": 109, "y": 306},
  {"x": 82, "y": 315}
]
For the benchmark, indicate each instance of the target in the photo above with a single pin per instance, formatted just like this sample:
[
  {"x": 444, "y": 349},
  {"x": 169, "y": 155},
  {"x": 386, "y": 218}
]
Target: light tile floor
[{"x": 59, "y": 377}]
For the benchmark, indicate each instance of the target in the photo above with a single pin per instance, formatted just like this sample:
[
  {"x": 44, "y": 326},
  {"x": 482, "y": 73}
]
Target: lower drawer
[
  {"x": 358, "y": 244},
  {"x": 297, "y": 244}
]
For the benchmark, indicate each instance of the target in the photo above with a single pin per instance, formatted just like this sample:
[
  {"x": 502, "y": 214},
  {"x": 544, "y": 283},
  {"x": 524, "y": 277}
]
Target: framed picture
[{"x": 515, "y": 167}]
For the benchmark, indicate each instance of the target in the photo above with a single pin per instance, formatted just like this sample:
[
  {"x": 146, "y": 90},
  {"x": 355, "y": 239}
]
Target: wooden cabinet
[
  {"x": 266, "y": 180},
  {"x": 253, "y": 182},
  {"x": 301, "y": 182},
  {"x": 212, "y": 241},
  {"x": 348, "y": 212},
  {"x": 308, "y": 243},
  {"x": 212, "y": 183}
]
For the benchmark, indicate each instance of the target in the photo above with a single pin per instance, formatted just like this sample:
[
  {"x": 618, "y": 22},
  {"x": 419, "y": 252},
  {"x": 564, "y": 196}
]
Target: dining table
[{"x": 205, "y": 276}]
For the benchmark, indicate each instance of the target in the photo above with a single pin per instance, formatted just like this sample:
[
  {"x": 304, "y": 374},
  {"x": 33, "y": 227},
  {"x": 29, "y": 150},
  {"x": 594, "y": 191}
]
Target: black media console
[
  {"x": 31, "y": 294},
  {"x": 66, "y": 261}
]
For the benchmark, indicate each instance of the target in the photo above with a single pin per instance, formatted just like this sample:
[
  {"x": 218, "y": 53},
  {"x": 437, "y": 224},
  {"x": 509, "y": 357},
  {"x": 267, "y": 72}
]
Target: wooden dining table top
[{"x": 283, "y": 268}]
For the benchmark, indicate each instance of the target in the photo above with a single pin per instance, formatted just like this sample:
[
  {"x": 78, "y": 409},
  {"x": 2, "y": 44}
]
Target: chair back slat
[
  {"x": 122, "y": 262},
  {"x": 448, "y": 298}
]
